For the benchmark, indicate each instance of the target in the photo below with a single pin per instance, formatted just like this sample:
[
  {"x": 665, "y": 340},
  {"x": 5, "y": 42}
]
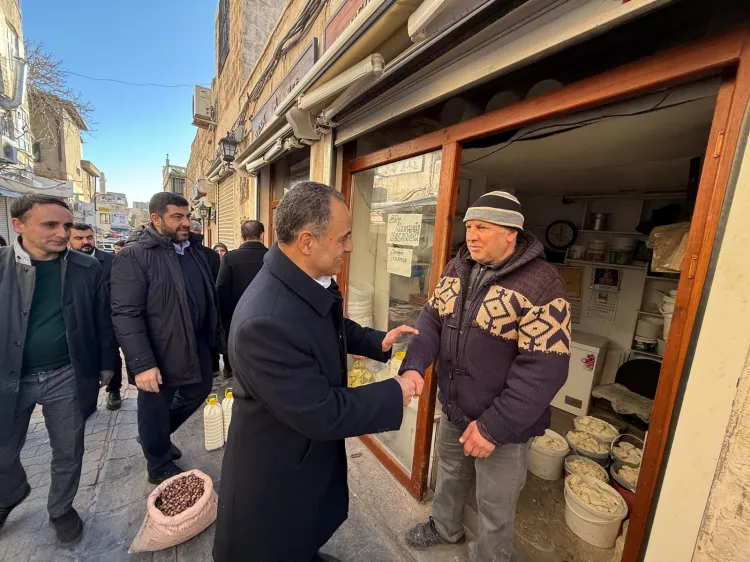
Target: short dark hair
[
  {"x": 22, "y": 205},
  {"x": 119, "y": 243},
  {"x": 82, "y": 226},
  {"x": 306, "y": 205},
  {"x": 159, "y": 202},
  {"x": 252, "y": 230},
  {"x": 220, "y": 245}
]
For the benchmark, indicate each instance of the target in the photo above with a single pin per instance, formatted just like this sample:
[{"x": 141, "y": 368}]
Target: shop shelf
[
  {"x": 605, "y": 264},
  {"x": 647, "y": 354}
]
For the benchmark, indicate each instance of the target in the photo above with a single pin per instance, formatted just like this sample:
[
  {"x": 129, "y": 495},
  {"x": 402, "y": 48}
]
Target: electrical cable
[
  {"x": 577, "y": 125},
  {"x": 125, "y": 82}
]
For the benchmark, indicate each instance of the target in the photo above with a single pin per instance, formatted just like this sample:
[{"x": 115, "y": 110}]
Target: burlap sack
[{"x": 159, "y": 531}]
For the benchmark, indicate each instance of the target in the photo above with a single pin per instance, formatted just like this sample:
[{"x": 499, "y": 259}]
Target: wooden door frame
[{"x": 727, "y": 55}]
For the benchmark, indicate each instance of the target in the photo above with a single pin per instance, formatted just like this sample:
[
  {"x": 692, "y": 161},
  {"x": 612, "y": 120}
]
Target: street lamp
[{"x": 228, "y": 147}]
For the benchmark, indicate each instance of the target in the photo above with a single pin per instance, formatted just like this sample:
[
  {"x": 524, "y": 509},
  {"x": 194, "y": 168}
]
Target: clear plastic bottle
[
  {"x": 226, "y": 406},
  {"x": 213, "y": 423}
]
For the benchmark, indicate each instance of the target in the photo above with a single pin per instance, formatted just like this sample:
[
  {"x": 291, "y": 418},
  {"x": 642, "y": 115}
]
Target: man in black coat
[
  {"x": 166, "y": 319},
  {"x": 283, "y": 486},
  {"x": 57, "y": 347},
  {"x": 82, "y": 240},
  {"x": 237, "y": 271}
]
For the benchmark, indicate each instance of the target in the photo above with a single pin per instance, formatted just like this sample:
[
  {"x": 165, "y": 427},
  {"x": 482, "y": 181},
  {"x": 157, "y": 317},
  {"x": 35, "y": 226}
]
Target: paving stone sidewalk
[{"x": 112, "y": 498}]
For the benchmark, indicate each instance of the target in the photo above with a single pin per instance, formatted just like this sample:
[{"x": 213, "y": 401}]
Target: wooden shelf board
[{"x": 605, "y": 264}]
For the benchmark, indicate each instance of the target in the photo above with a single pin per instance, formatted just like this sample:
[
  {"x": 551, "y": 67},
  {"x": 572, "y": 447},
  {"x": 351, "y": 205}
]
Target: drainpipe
[{"x": 20, "y": 90}]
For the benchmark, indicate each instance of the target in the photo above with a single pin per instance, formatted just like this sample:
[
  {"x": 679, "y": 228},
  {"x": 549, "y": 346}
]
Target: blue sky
[{"x": 162, "y": 41}]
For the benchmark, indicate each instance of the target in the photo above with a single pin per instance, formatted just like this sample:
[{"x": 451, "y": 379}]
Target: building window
[
  {"x": 22, "y": 136},
  {"x": 13, "y": 48},
  {"x": 104, "y": 218},
  {"x": 178, "y": 185},
  {"x": 223, "y": 32}
]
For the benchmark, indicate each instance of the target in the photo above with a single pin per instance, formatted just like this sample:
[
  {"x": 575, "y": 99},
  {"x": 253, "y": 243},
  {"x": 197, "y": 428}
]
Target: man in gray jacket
[{"x": 57, "y": 347}]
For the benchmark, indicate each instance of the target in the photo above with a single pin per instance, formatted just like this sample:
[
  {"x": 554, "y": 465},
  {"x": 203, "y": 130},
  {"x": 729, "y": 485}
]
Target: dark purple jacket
[{"x": 503, "y": 353}]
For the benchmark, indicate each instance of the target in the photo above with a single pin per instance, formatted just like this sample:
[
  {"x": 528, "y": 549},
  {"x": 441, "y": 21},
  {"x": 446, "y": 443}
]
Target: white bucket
[
  {"x": 360, "y": 292},
  {"x": 668, "y": 303},
  {"x": 594, "y": 527},
  {"x": 546, "y": 464},
  {"x": 649, "y": 328},
  {"x": 667, "y": 322}
]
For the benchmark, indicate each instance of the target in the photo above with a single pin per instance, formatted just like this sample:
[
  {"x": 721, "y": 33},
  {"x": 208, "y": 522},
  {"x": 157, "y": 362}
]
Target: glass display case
[{"x": 393, "y": 211}]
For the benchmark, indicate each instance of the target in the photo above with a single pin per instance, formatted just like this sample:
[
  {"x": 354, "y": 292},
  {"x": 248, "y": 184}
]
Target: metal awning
[{"x": 471, "y": 53}]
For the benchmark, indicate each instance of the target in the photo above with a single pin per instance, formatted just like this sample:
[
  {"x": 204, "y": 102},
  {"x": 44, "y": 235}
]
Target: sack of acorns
[{"x": 176, "y": 511}]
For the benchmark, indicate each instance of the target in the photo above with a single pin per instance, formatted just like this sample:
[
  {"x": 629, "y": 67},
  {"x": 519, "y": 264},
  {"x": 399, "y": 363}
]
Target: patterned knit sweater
[{"x": 503, "y": 353}]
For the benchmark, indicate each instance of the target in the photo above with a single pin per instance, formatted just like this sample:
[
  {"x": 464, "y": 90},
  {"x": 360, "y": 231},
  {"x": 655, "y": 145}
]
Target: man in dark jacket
[
  {"x": 82, "y": 240},
  {"x": 499, "y": 326},
  {"x": 57, "y": 346},
  {"x": 283, "y": 485},
  {"x": 237, "y": 271},
  {"x": 167, "y": 321},
  {"x": 196, "y": 240}
]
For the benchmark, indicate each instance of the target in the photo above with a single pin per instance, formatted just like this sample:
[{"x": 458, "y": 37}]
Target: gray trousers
[
  {"x": 499, "y": 481},
  {"x": 56, "y": 392}
]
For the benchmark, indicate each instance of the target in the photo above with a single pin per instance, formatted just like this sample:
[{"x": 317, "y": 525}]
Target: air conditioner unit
[
  {"x": 203, "y": 111},
  {"x": 9, "y": 154}
]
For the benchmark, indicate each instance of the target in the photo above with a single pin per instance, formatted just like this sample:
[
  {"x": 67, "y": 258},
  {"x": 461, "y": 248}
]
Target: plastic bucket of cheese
[
  {"x": 594, "y": 510},
  {"x": 547, "y": 455}
]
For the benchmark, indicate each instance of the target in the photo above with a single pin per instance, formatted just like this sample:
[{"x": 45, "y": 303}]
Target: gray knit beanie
[{"x": 496, "y": 207}]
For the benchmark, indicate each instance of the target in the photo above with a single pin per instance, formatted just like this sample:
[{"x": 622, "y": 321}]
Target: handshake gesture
[{"x": 411, "y": 383}]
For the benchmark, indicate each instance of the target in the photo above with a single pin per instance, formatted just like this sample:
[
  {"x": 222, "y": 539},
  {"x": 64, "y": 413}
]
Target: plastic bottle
[
  {"x": 213, "y": 423},
  {"x": 226, "y": 406}
]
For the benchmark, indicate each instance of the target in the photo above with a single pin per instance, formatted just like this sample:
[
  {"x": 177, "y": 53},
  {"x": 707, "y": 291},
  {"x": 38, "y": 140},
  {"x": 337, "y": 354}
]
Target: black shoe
[
  {"x": 216, "y": 373},
  {"x": 68, "y": 527},
  {"x": 114, "y": 400},
  {"x": 425, "y": 535},
  {"x": 227, "y": 374},
  {"x": 5, "y": 511},
  {"x": 157, "y": 479},
  {"x": 176, "y": 453}
]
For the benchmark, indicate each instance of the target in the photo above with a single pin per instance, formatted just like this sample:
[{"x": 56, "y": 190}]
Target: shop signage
[
  {"x": 408, "y": 166},
  {"x": 345, "y": 15},
  {"x": 399, "y": 261},
  {"x": 119, "y": 219},
  {"x": 103, "y": 209},
  {"x": 404, "y": 229},
  {"x": 301, "y": 66}
]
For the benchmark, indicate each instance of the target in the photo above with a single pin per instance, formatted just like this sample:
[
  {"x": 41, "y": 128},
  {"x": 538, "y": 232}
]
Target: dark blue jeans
[{"x": 160, "y": 414}]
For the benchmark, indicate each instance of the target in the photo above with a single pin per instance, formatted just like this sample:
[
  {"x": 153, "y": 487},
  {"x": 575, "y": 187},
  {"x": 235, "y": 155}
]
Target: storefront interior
[{"x": 610, "y": 193}]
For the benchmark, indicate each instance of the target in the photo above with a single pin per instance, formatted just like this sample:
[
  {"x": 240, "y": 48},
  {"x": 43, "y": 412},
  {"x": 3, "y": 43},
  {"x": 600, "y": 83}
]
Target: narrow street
[{"x": 112, "y": 498}]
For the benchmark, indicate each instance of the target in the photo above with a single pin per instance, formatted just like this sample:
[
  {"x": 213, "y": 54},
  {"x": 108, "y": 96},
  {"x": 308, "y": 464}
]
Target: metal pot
[{"x": 598, "y": 221}]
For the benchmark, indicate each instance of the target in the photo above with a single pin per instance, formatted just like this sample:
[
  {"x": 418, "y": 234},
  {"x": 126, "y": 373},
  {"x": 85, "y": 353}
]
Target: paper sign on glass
[
  {"x": 404, "y": 229},
  {"x": 399, "y": 261}
]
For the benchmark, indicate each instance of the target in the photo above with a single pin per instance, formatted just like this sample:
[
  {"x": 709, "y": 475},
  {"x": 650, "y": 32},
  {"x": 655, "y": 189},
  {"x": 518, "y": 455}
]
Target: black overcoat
[{"x": 283, "y": 485}]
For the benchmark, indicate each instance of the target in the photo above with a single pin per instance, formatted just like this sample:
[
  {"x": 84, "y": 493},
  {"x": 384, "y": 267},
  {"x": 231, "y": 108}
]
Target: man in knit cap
[{"x": 498, "y": 325}]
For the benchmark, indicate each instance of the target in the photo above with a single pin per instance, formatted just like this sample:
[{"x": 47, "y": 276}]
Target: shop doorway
[
  {"x": 597, "y": 189},
  {"x": 726, "y": 59}
]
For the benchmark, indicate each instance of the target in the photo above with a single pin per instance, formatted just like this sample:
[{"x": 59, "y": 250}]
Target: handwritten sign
[
  {"x": 344, "y": 16},
  {"x": 301, "y": 66},
  {"x": 399, "y": 261},
  {"x": 404, "y": 229}
]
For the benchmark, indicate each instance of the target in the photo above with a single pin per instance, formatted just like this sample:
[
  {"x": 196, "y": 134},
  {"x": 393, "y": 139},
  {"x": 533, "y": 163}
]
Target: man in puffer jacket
[
  {"x": 499, "y": 326},
  {"x": 166, "y": 318}
]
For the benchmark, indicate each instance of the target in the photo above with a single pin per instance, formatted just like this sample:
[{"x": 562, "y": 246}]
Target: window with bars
[
  {"x": 223, "y": 32},
  {"x": 22, "y": 129}
]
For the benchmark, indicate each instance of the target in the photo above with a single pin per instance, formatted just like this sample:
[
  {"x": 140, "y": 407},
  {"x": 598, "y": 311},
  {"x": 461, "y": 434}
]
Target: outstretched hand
[
  {"x": 411, "y": 385},
  {"x": 394, "y": 335}
]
